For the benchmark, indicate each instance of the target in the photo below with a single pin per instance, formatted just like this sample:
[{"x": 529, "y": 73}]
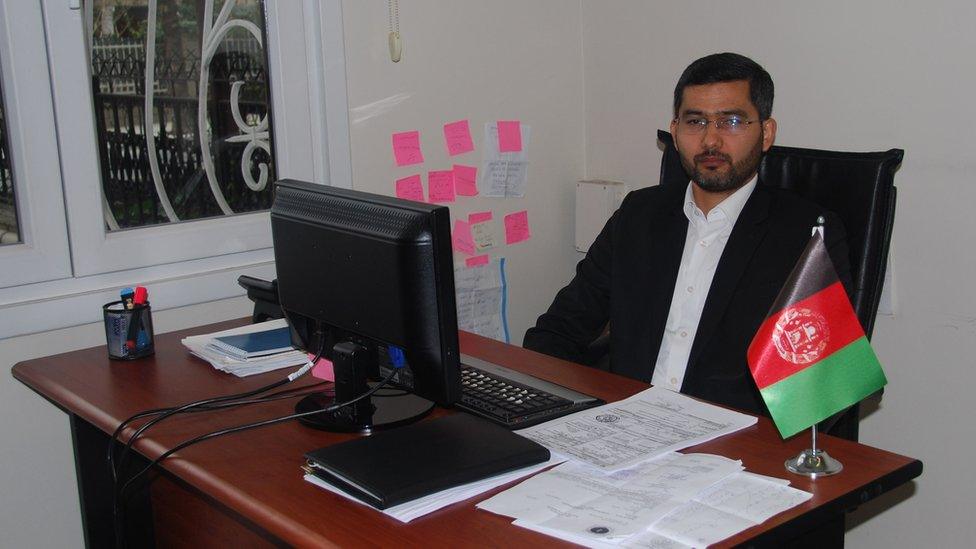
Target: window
[
  {"x": 9, "y": 232},
  {"x": 40, "y": 252},
  {"x": 209, "y": 151},
  {"x": 173, "y": 196}
]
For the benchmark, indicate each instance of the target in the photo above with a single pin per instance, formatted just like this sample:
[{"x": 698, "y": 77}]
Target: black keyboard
[{"x": 513, "y": 399}]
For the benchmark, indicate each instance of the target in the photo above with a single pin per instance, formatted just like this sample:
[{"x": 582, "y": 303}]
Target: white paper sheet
[
  {"x": 752, "y": 497},
  {"x": 621, "y": 434},
  {"x": 485, "y": 235},
  {"x": 735, "y": 503},
  {"x": 480, "y": 295},
  {"x": 585, "y": 502},
  {"x": 503, "y": 174},
  {"x": 699, "y": 525}
]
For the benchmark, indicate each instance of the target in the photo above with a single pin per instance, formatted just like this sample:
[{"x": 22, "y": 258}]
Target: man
[{"x": 684, "y": 275}]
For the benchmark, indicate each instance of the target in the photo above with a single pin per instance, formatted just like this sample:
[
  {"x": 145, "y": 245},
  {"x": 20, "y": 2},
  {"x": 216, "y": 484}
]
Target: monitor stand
[{"x": 351, "y": 364}]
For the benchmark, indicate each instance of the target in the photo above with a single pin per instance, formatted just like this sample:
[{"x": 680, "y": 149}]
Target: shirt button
[
  {"x": 684, "y": 333},
  {"x": 674, "y": 381},
  {"x": 690, "y": 289},
  {"x": 703, "y": 243}
]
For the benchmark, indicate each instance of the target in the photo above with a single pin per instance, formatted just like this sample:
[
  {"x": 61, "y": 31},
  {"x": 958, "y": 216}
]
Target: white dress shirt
[{"x": 704, "y": 244}]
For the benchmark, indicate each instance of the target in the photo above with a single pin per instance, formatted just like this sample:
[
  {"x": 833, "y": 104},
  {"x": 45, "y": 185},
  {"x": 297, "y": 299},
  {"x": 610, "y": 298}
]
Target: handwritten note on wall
[
  {"x": 410, "y": 188},
  {"x": 462, "y": 239},
  {"x": 466, "y": 180},
  {"x": 481, "y": 299},
  {"x": 517, "y": 227},
  {"x": 477, "y": 260},
  {"x": 504, "y": 172},
  {"x": 440, "y": 186},
  {"x": 478, "y": 217},
  {"x": 509, "y": 136},
  {"x": 406, "y": 148},
  {"x": 457, "y": 137}
]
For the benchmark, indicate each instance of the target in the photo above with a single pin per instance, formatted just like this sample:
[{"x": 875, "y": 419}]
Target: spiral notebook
[{"x": 246, "y": 346}]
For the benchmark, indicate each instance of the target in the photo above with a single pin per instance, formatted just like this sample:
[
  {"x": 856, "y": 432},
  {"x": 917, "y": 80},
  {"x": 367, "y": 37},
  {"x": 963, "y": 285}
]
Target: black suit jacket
[{"x": 627, "y": 279}]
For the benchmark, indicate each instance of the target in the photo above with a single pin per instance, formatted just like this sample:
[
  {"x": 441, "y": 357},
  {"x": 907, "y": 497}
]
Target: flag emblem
[{"x": 800, "y": 335}]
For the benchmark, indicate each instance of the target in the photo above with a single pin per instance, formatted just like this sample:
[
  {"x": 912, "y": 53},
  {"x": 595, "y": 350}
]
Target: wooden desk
[{"x": 247, "y": 488}]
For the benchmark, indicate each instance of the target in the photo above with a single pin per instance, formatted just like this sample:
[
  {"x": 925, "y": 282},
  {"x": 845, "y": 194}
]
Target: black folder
[{"x": 396, "y": 466}]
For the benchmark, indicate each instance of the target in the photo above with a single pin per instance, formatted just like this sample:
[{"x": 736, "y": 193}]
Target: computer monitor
[{"x": 372, "y": 278}]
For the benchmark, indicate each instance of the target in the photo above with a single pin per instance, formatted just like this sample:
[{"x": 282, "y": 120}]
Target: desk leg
[{"x": 95, "y": 491}]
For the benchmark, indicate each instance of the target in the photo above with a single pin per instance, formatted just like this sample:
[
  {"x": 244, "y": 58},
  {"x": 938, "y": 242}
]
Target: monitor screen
[{"x": 373, "y": 270}]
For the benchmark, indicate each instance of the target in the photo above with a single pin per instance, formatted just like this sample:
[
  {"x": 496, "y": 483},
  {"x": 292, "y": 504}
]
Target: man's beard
[{"x": 739, "y": 173}]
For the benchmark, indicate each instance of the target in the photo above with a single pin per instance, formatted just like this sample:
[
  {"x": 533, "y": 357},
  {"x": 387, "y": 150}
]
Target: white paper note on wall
[
  {"x": 480, "y": 293},
  {"x": 503, "y": 174}
]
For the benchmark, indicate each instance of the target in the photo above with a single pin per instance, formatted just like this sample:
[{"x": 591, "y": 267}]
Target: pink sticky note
[
  {"x": 440, "y": 186},
  {"x": 479, "y": 217},
  {"x": 477, "y": 260},
  {"x": 461, "y": 237},
  {"x": 406, "y": 148},
  {"x": 322, "y": 369},
  {"x": 517, "y": 227},
  {"x": 466, "y": 180},
  {"x": 509, "y": 136},
  {"x": 457, "y": 137},
  {"x": 410, "y": 188}
]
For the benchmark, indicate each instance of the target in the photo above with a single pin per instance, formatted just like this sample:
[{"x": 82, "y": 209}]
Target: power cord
[
  {"x": 253, "y": 425},
  {"x": 163, "y": 413}
]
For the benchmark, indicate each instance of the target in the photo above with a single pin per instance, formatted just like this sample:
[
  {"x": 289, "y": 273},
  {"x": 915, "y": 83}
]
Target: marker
[
  {"x": 139, "y": 297},
  {"x": 127, "y": 295}
]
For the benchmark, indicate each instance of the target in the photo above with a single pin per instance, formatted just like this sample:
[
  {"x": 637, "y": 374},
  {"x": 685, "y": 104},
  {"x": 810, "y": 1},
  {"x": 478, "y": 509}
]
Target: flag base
[{"x": 814, "y": 464}]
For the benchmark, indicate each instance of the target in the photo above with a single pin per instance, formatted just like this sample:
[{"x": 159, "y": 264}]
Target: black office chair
[{"x": 859, "y": 188}]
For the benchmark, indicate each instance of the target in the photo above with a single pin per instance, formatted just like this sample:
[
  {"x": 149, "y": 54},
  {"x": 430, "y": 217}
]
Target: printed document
[
  {"x": 621, "y": 434},
  {"x": 733, "y": 504},
  {"x": 575, "y": 498}
]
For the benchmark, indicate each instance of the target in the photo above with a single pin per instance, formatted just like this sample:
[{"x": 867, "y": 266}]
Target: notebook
[
  {"x": 245, "y": 346},
  {"x": 405, "y": 463}
]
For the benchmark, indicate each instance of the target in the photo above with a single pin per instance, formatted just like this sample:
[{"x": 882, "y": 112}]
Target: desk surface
[{"x": 255, "y": 475}]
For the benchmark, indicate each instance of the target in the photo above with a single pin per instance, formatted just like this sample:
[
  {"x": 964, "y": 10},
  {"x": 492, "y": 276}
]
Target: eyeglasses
[{"x": 727, "y": 125}]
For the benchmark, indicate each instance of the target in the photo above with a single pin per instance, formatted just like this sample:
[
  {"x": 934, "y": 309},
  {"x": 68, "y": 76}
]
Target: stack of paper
[
  {"x": 625, "y": 486},
  {"x": 203, "y": 347},
  {"x": 649, "y": 424}
]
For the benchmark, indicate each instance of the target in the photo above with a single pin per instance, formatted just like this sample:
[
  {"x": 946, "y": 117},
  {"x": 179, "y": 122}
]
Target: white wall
[
  {"x": 867, "y": 75},
  {"x": 39, "y": 504},
  {"x": 481, "y": 61}
]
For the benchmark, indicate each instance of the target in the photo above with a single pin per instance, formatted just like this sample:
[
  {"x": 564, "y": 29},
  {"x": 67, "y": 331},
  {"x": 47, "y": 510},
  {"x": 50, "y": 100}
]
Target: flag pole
[{"x": 813, "y": 462}]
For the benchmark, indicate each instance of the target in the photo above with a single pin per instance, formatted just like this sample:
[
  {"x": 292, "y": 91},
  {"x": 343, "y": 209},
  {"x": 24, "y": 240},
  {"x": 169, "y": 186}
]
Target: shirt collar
[{"x": 729, "y": 209}]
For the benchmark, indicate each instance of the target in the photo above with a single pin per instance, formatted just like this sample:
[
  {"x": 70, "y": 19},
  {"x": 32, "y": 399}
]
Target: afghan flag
[{"x": 810, "y": 357}]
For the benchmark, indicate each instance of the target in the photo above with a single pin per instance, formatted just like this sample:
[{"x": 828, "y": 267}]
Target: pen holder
[{"x": 128, "y": 332}]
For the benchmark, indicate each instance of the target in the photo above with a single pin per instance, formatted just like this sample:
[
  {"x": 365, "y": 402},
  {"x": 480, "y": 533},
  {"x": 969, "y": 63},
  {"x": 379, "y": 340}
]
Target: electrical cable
[
  {"x": 230, "y": 430},
  {"x": 294, "y": 392},
  {"x": 169, "y": 412},
  {"x": 166, "y": 413},
  {"x": 287, "y": 393}
]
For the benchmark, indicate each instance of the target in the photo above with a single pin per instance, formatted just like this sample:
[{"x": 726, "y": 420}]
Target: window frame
[
  {"x": 97, "y": 251},
  {"x": 311, "y": 143},
  {"x": 42, "y": 253}
]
